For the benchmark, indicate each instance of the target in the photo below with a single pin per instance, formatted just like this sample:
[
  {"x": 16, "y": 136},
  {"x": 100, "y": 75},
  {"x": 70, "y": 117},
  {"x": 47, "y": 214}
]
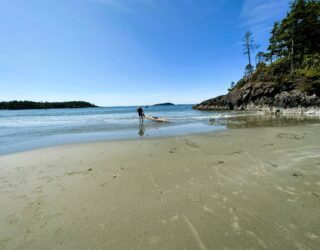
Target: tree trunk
[
  {"x": 249, "y": 57},
  {"x": 292, "y": 56}
]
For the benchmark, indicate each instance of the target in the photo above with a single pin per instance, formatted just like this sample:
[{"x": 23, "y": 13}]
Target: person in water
[{"x": 141, "y": 113}]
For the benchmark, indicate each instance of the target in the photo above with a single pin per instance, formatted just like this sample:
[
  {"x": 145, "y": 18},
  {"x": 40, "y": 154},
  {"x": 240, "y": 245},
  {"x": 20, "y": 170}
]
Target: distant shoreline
[
  {"x": 20, "y": 105},
  {"x": 164, "y": 104}
]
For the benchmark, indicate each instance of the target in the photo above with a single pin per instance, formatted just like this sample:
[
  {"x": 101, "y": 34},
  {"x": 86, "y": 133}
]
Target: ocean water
[{"x": 28, "y": 129}]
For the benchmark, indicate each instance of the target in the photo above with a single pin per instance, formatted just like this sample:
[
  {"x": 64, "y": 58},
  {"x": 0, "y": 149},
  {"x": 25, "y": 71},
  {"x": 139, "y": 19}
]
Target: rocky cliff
[{"x": 263, "y": 96}]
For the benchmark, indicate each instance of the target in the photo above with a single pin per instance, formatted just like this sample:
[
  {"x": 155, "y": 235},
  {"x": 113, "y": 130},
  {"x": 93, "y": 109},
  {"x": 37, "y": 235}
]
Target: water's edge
[{"x": 33, "y": 129}]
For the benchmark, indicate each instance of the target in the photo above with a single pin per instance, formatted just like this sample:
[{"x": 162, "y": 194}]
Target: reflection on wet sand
[
  {"x": 141, "y": 129},
  {"x": 251, "y": 121}
]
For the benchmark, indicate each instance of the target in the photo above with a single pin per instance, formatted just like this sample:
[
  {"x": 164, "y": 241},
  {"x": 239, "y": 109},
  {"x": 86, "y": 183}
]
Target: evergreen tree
[
  {"x": 299, "y": 32},
  {"x": 294, "y": 50},
  {"x": 311, "y": 27},
  {"x": 248, "y": 71},
  {"x": 248, "y": 47},
  {"x": 274, "y": 46},
  {"x": 260, "y": 57}
]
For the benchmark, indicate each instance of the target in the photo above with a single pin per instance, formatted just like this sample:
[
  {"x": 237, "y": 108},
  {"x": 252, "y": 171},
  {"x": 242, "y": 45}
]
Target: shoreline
[
  {"x": 117, "y": 135},
  {"x": 145, "y": 133},
  {"x": 239, "y": 188},
  {"x": 313, "y": 110},
  {"x": 27, "y": 130},
  {"x": 154, "y": 130}
]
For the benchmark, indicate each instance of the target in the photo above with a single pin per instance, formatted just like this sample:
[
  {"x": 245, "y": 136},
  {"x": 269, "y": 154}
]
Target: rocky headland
[
  {"x": 264, "y": 96},
  {"x": 285, "y": 77}
]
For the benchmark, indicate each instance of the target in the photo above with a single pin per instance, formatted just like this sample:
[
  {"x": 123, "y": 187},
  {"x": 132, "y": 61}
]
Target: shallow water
[
  {"x": 28, "y": 129},
  {"x": 22, "y": 130},
  {"x": 267, "y": 120}
]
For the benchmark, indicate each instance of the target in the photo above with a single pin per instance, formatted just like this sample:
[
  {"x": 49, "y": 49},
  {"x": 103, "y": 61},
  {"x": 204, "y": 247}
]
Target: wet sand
[{"x": 256, "y": 188}]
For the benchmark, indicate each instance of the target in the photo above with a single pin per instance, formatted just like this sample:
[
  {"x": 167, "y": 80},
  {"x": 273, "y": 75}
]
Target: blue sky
[{"x": 127, "y": 52}]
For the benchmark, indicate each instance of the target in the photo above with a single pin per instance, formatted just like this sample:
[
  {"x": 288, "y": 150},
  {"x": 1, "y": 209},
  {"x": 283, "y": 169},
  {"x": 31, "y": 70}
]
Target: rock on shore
[{"x": 262, "y": 96}]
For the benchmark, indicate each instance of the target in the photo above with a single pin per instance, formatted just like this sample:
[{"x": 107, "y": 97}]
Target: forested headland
[
  {"x": 44, "y": 105},
  {"x": 287, "y": 75}
]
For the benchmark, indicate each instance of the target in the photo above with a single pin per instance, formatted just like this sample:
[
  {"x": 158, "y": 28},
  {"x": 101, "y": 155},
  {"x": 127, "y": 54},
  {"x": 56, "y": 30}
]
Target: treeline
[
  {"x": 293, "y": 54},
  {"x": 297, "y": 35},
  {"x": 44, "y": 105}
]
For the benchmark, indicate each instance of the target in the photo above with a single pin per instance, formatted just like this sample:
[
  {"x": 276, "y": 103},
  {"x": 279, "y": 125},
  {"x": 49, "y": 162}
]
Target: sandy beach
[{"x": 251, "y": 188}]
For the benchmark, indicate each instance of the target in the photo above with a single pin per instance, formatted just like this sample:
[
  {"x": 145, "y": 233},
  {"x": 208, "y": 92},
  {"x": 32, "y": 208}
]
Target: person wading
[{"x": 141, "y": 113}]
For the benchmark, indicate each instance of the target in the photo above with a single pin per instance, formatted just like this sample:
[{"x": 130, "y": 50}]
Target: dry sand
[{"x": 253, "y": 188}]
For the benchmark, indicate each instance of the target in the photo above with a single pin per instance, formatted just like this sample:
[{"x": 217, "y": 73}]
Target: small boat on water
[{"x": 155, "y": 118}]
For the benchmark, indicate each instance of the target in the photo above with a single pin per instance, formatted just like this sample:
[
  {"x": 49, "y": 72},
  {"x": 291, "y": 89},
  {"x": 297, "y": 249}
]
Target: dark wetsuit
[{"x": 140, "y": 112}]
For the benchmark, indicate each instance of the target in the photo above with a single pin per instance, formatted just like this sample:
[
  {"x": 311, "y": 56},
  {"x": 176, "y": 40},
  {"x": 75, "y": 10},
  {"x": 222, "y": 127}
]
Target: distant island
[
  {"x": 287, "y": 76},
  {"x": 14, "y": 105},
  {"x": 164, "y": 104}
]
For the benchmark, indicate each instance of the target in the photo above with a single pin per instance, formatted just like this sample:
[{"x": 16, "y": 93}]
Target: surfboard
[{"x": 154, "y": 118}]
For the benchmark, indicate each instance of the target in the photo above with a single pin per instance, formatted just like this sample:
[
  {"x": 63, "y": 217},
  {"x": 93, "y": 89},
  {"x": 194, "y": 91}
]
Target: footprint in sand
[
  {"x": 272, "y": 164},
  {"x": 235, "y": 153},
  {"x": 12, "y": 219},
  {"x": 153, "y": 240},
  {"x": 286, "y": 190},
  {"x": 173, "y": 150},
  {"x": 289, "y": 136},
  {"x": 174, "y": 218},
  {"x": 84, "y": 172},
  {"x": 312, "y": 236},
  {"x": 162, "y": 221},
  {"x": 316, "y": 195},
  {"x": 297, "y": 173},
  {"x": 207, "y": 209},
  {"x": 260, "y": 241},
  {"x": 235, "y": 224},
  {"x": 191, "y": 144}
]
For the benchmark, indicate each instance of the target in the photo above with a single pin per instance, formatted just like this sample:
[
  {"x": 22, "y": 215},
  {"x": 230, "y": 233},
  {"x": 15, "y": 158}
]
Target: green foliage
[
  {"x": 260, "y": 57},
  {"x": 260, "y": 72},
  {"x": 293, "y": 54},
  {"x": 243, "y": 81},
  {"x": 278, "y": 68},
  {"x": 311, "y": 87},
  {"x": 311, "y": 61},
  {"x": 249, "y": 46},
  {"x": 232, "y": 85},
  {"x": 248, "y": 70},
  {"x": 310, "y": 71},
  {"x": 43, "y": 105},
  {"x": 298, "y": 34},
  {"x": 275, "y": 43}
]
